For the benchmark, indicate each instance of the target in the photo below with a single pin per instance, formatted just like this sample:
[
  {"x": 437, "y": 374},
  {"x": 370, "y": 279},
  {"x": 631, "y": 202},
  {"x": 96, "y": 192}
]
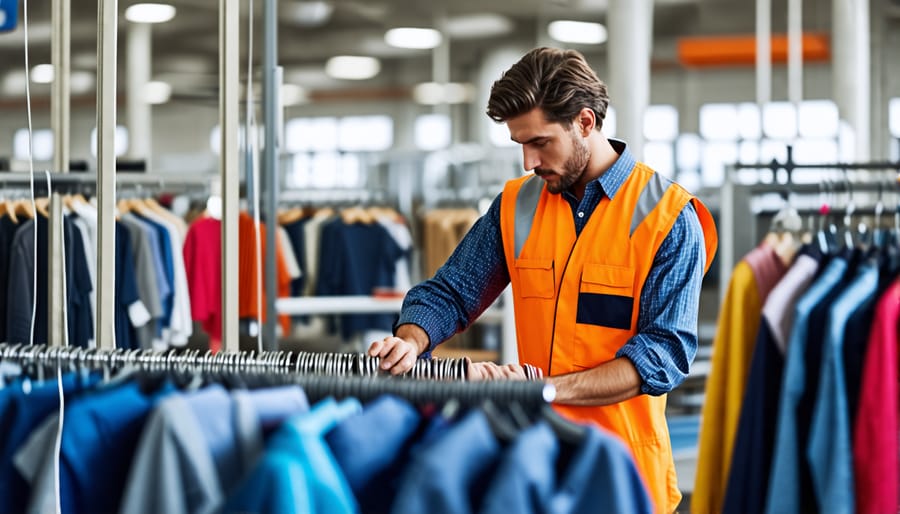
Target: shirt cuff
[{"x": 657, "y": 371}]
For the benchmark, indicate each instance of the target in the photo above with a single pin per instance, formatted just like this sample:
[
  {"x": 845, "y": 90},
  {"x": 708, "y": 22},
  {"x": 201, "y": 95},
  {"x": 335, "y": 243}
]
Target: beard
[{"x": 573, "y": 168}]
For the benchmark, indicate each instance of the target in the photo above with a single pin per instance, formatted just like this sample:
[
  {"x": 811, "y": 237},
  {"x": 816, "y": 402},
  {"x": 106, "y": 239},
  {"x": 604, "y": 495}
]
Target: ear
[{"x": 585, "y": 121}]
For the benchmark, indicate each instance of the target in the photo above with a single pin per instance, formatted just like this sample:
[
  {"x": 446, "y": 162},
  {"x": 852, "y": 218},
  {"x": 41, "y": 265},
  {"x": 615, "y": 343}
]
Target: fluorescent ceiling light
[
  {"x": 309, "y": 13},
  {"x": 583, "y": 32},
  {"x": 150, "y": 13},
  {"x": 157, "y": 92},
  {"x": 352, "y": 67},
  {"x": 477, "y": 26},
  {"x": 408, "y": 37},
  {"x": 42, "y": 74},
  {"x": 292, "y": 94},
  {"x": 432, "y": 93}
]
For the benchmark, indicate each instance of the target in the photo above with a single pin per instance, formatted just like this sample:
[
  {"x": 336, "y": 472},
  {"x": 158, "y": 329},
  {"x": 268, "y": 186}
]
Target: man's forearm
[{"x": 608, "y": 383}]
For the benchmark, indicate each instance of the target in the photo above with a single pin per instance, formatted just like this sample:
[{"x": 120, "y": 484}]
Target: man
[{"x": 605, "y": 257}]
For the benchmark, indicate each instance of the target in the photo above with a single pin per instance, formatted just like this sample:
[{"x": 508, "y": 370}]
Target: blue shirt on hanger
[
  {"x": 451, "y": 474},
  {"x": 298, "y": 474},
  {"x": 830, "y": 447},
  {"x": 373, "y": 466}
]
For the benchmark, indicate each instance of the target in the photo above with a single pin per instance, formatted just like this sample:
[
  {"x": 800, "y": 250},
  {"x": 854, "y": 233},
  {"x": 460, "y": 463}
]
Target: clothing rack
[
  {"x": 71, "y": 182},
  {"x": 278, "y": 362},
  {"x": 320, "y": 374},
  {"x": 738, "y": 233}
]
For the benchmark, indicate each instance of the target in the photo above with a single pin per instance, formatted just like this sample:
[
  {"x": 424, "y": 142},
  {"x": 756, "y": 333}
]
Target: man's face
[{"x": 558, "y": 154}]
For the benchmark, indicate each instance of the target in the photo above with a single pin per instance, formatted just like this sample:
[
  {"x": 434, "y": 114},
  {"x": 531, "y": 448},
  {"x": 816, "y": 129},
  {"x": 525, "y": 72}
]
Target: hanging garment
[
  {"x": 748, "y": 478},
  {"x": 298, "y": 474},
  {"x": 374, "y": 466},
  {"x": 738, "y": 323},
  {"x": 785, "y": 486},
  {"x": 150, "y": 277},
  {"x": 599, "y": 475},
  {"x": 8, "y": 229},
  {"x": 99, "y": 436},
  {"x": 196, "y": 447},
  {"x": 875, "y": 443},
  {"x": 451, "y": 474},
  {"x": 203, "y": 265}
]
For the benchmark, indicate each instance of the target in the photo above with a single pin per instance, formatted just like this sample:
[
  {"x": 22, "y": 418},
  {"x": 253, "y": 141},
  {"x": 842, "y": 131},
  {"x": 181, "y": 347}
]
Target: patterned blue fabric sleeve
[
  {"x": 467, "y": 284},
  {"x": 666, "y": 339}
]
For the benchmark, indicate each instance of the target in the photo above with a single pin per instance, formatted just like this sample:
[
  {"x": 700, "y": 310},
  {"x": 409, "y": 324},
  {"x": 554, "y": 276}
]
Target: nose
[{"x": 531, "y": 160}]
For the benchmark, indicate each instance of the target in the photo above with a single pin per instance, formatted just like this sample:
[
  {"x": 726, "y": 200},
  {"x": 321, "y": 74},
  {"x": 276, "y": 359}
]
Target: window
[
  {"x": 687, "y": 152},
  {"x": 818, "y": 119},
  {"x": 365, "y": 133},
  {"x": 499, "y": 135},
  {"x": 609, "y": 122},
  {"x": 749, "y": 122},
  {"x": 311, "y": 134},
  {"x": 121, "y": 141},
  {"x": 780, "y": 120},
  {"x": 661, "y": 123},
  {"x": 325, "y": 170},
  {"x": 716, "y": 155},
  {"x": 719, "y": 122},
  {"x": 41, "y": 145},
  {"x": 432, "y": 132},
  {"x": 894, "y": 117},
  {"x": 660, "y": 156}
]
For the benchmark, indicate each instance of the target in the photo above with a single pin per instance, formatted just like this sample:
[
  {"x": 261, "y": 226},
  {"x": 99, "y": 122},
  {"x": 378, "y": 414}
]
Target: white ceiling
[{"x": 185, "y": 49}]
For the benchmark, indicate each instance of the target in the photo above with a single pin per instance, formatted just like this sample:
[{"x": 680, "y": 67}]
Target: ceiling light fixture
[
  {"x": 583, "y": 32},
  {"x": 150, "y": 13},
  {"x": 42, "y": 74},
  {"x": 470, "y": 26},
  {"x": 352, "y": 67},
  {"x": 409, "y": 37},
  {"x": 157, "y": 92},
  {"x": 433, "y": 93},
  {"x": 312, "y": 13}
]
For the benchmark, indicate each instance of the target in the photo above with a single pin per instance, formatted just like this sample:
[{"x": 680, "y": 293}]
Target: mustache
[{"x": 543, "y": 171}]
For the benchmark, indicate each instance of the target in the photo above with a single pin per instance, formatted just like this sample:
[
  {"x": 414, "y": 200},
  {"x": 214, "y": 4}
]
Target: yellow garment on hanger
[{"x": 738, "y": 323}]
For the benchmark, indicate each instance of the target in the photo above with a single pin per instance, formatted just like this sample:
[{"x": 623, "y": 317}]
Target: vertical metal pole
[
  {"x": 229, "y": 12},
  {"x": 795, "y": 51},
  {"x": 851, "y": 71},
  {"x": 139, "y": 50},
  {"x": 763, "y": 54},
  {"x": 440, "y": 60},
  {"x": 271, "y": 96},
  {"x": 59, "y": 100},
  {"x": 107, "y": 39},
  {"x": 55, "y": 287}
]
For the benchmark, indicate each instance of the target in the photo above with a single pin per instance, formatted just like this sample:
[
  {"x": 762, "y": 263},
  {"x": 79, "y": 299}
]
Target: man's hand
[
  {"x": 491, "y": 371},
  {"x": 399, "y": 353}
]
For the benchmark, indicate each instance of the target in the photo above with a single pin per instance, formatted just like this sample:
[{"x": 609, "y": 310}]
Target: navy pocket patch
[{"x": 605, "y": 310}]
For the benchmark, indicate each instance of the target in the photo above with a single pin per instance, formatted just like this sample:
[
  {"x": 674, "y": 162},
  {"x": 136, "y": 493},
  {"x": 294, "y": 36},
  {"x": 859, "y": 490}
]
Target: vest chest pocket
[
  {"x": 606, "y": 296},
  {"x": 536, "y": 278}
]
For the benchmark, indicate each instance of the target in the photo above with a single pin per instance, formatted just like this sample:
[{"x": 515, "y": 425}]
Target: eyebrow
[{"x": 532, "y": 140}]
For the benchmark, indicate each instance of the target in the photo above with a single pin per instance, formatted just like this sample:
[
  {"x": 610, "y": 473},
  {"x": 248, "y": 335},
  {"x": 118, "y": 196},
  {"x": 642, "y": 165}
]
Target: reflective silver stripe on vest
[
  {"x": 526, "y": 205},
  {"x": 651, "y": 195}
]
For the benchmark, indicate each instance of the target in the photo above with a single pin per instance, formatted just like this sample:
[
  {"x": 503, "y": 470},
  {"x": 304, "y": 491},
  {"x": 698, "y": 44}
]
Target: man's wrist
[{"x": 416, "y": 335}]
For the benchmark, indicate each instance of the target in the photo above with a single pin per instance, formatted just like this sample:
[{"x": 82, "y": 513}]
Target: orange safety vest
[{"x": 607, "y": 264}]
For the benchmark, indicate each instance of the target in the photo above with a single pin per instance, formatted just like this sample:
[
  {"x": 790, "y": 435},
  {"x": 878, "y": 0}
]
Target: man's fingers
[
  {"x": 400, "y": 358},
  {"x": 375, "y": 348}
]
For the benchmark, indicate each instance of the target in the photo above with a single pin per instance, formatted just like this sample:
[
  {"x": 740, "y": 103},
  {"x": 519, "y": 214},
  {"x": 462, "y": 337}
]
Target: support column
[
  {"x": 229, "y": 16},
  {"x": 107, "y": 39},
  {"x": 795, "y": 52},
  {"x": 140, "y": 54},
  {"x": 763, "y": 54},
  {"x": 271, "y": 98},
  {"x": 851, "y": 69},
  {"x": 630, "y": 25},
  {"x": 60, "y": 50}
]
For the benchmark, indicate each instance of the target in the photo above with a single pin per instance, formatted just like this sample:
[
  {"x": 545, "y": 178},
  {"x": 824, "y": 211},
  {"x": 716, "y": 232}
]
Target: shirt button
[{"x": 581, "y": 214}]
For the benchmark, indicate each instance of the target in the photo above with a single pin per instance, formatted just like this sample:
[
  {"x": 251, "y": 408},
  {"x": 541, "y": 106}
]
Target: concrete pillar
[
  {"x": 851, "y": 69},
  {"x": 630, "y": 24}
]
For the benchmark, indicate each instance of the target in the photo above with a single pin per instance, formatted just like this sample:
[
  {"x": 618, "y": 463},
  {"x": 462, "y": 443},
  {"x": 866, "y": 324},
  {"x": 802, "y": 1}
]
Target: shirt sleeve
[
  {"x": 468, "y": 283},
  {"x": 666, "y": 339}
]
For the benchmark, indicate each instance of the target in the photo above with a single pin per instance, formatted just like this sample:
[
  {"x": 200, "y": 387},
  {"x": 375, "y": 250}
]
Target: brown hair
[{"x": 560, "y": 82}]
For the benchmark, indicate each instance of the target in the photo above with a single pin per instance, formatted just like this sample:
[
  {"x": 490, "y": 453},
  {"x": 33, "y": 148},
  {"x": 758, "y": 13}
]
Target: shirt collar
[{"x": 613, "y": 178}]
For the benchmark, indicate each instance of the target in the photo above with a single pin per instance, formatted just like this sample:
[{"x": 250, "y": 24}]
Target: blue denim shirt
[{"x": 666, "y": 340}]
